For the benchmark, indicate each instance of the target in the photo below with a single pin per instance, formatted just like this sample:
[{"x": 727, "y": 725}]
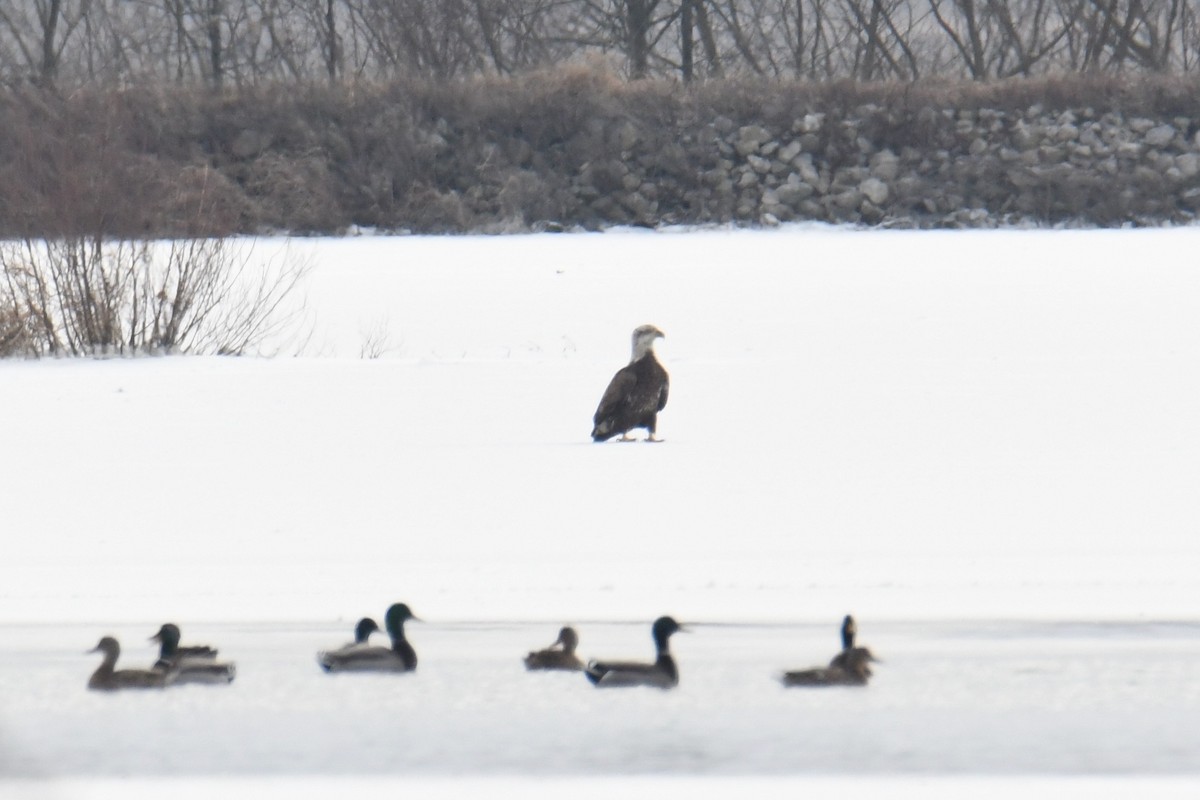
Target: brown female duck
[
  {"x": 560, "y": 655},
  {"x": 851, "y": 667},
  {"x": 848, "y": 668},
  {"x": 108, "y": 678}
]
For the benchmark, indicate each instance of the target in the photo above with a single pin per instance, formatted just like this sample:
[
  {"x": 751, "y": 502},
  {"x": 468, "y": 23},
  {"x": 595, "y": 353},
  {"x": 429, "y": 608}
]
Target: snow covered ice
[{"x": 984, "y": 445}]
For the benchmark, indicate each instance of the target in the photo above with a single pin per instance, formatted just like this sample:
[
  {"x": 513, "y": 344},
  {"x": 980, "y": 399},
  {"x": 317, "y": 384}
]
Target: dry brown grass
[{"x": 426, "y": 155}]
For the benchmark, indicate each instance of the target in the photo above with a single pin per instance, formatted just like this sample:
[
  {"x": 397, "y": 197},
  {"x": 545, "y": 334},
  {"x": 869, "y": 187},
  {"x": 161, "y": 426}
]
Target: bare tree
[
  {"x": 687, "y": 32},
  {"x": 40, "y": 30},
  {"x": 1139, "y": 31},
  {"x": 65, "y": 44},
  {"x": 215, "y": 44},
  {"x": 638, "y": 19},
  {"x": 632, "y": 27},
  {"x": 962, "y": 24}
]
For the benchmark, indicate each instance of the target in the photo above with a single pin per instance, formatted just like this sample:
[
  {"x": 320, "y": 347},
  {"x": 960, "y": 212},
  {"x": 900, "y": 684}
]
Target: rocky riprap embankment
[
  {"x": 927, "y": 168},
  {"x": 582, "y": 150}
]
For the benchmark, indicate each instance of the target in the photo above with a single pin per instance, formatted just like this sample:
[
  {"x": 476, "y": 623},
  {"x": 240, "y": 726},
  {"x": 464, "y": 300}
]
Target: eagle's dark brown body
[{"x": 635, "y": 394}]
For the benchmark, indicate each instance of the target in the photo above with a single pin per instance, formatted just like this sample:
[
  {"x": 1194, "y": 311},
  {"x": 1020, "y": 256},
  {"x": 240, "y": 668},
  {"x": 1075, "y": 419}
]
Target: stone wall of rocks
[
  {"x": 928, "y": 168},
  {"x": 583, "y": 151}
]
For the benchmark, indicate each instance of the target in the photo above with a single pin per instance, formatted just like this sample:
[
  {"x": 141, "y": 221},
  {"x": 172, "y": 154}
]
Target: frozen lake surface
[
  {"x": 1003, "y": 698},
  {"x": 984, "y": 445}
]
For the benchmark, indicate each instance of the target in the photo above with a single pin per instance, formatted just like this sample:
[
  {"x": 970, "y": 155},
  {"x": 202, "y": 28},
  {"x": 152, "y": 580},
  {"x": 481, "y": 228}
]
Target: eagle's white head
[{"x": 643, "y": 340}]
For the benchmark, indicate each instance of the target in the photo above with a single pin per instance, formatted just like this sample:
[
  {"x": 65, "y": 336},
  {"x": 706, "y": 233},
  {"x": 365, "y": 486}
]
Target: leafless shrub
[
  {"x": 15, "y": 336},
  {"x": 293, "y": 192},
  {"x": 376, "y": 340},
  {"x": 89, "y": 296}
]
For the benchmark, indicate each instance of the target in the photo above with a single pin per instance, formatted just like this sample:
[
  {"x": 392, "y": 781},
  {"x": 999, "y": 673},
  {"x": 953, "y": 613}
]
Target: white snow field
[{"x": 984, "y": 445}]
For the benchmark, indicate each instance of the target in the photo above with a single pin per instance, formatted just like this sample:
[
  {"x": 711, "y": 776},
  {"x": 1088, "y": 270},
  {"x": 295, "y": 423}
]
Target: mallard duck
[
  {"x": 362, "y": 634},
  {"x": 556, "y": 657},
  {"x": 170, "y": 651},
  {"x": 363, "y": 630},
  {"x": 849, "y": 631},
  {"x": 108, "y": 678},
  {"x": 850, "y": 667},
  {"x": 662, "y": 673},
  {"x": 400, "y": 657},
  {"x": 853, "y": 659},
  {"x": 188, "y": 664}
]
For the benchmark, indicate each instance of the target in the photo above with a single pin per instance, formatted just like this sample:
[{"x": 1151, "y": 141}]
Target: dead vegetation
[{"x": 433, "y": 156}]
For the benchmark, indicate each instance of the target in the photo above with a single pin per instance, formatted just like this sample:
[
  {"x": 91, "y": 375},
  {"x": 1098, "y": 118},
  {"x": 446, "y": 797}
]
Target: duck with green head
[
  {"x": 662, "y": 673},
  {"x": 194, "y": 664},
  {"x": 360, "y": 657},
  {"x": 171, "y": 652}
]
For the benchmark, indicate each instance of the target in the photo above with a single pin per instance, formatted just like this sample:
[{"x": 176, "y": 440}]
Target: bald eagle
[{"x": 636, "y": 393}]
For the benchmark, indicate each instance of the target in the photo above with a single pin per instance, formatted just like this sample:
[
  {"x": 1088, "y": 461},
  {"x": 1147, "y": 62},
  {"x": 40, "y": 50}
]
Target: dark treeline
[
  {"x": 239, "y": 43},
  {"x": 125, "y": 121},
  {"x": 197, "y": 117}
]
